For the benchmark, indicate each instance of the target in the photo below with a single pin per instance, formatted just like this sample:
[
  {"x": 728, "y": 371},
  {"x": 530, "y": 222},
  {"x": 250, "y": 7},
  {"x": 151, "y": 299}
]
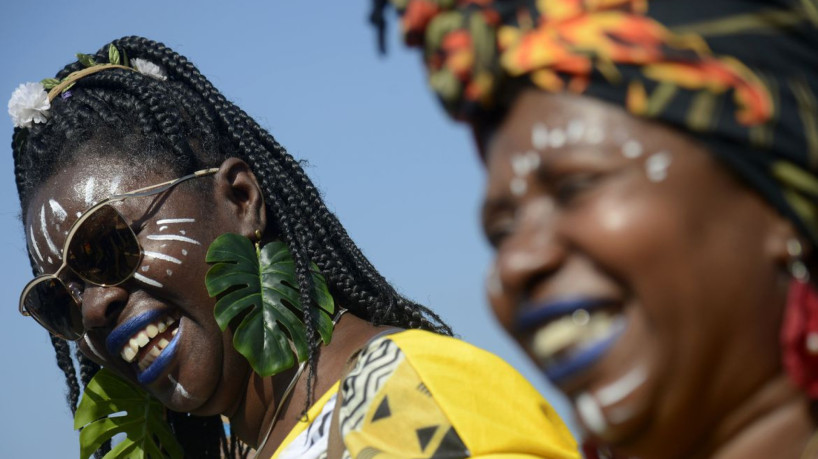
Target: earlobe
[
  {"x": 781, "y": 239},
  {"x": 238, "y": 188}
]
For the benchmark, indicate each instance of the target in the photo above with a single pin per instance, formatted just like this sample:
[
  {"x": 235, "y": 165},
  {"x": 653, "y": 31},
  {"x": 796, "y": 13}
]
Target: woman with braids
[
  {"x": 129, "y": 166},
  {"x": 652, "y": 198}
]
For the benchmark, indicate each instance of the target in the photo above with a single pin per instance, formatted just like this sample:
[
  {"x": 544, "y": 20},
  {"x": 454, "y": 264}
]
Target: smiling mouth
[
  {"x": 570, "y": 335},
  {"x": 147, "y": 344},
  {"x": 146, "y": 341}
]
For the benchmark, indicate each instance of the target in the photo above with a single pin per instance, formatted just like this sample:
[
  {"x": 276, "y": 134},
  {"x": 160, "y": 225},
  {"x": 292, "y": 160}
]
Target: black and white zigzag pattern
[{"x": 376, "y": 363}]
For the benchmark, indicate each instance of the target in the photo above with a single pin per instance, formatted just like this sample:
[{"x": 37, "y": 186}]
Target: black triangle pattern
[
  {"x": 451, "y": 446},
  {"x": 425, "y": 435},
  {"x": 382, "y": 411}
]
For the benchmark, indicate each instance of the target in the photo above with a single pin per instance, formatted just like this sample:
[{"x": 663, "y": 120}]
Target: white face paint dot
[
  {"x": 656, "y": 166},
  {"x": 518, "y": 186},
  {"x": 163, "y": 228},
  {"x": 595, "y": 135},
  {"x": 576, "y": 128},
  {"x": 79, "y": 214},
  {"x": 519, "y": 164},
  {"x": 145, "y": 269},
  {"x": 181, "y": 231},
  {"x": 632, "y": 149},
  {"x": 169, "y": 272},
  {"x": 533, "y": 160},
  {"x": 557, "y": 138},
  {"x": 184, "y": 251},
  {"x": 49, "y": 260},
  {"x": 539, "y": 136}
]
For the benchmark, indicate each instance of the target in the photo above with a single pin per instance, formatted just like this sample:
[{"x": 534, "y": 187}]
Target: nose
[
  {"x": 102, "y": 305},
  {"x": 526, "y": 260}
]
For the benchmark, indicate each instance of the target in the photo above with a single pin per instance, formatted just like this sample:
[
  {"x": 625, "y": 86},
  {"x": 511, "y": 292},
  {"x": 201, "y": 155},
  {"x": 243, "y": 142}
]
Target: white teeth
[
  {"x": 141, "y": 339},
  {"x": 574, "y": 332},
  {"x": 128, "y": 354}
]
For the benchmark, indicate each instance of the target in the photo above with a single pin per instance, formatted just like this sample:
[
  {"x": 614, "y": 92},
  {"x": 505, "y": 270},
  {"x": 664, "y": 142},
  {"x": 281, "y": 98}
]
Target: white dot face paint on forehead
[
  {"x": 539, "y": 136},
  {"x": 557, "y": 138},
  {"x": 575, "y": 130},
  {"x": 632, "y": 149}
]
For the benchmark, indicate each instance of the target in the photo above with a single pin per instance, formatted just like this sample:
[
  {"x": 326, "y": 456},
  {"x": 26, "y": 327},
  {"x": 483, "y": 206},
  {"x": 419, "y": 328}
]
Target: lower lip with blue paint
[
  {"x": 160, "y": 364},
  {"x": 568, "y": 336}
]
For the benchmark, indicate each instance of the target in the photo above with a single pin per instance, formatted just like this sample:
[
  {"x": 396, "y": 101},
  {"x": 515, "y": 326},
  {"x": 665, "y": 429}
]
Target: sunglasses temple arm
[{"x": 160, "y": 187}]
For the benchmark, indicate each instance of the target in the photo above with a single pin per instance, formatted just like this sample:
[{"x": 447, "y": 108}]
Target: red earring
[{"x": 799, "y": 332}]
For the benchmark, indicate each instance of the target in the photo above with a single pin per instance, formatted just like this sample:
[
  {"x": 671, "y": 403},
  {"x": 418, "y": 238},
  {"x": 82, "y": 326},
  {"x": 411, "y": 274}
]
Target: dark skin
[
  {"x": 207, "y": 376},
  {"x": 693, "y": 261}
]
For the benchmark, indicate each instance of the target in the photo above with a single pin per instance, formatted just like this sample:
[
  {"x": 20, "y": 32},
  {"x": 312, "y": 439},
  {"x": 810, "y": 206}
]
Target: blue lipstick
[
  {"x": 569, "y": 335},
  {"x": 158, "y": 366},
  {"x": 123, "y": 333}
]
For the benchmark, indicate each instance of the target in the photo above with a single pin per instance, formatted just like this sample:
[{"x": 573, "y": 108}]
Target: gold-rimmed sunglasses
[{"x": 102, "y": 249}]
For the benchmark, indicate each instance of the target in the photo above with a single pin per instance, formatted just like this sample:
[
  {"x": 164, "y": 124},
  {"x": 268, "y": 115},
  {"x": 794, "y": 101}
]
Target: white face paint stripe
[
  {"x": 147, "y": 280},
  {"x": 172, "y": 237},
  {"x": 175, "y": 220},
  {"x": 93, "y": 349},
  {"x": 34, "y": 243},
  {"x": 179, "y": 389},
  {"x": 621, "y": 388},
  {"x": 114, "y": 185},
  {"x": 51, "y": 246},
  {"x": 59, "y": 212},
  {"x": 162, "y": 256},
  {"x": 89, "y": 191},
  {"x": 163, "y": 228},
  {"x": 590, "y": 414}
]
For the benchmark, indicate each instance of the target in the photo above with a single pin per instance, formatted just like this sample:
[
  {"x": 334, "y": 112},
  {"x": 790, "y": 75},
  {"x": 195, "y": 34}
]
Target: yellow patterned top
[{"x": 421, "y": 395}]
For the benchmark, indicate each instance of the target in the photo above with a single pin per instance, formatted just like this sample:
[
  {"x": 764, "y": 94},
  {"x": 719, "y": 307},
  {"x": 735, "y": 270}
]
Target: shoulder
[{"x": 417, "y": 388}]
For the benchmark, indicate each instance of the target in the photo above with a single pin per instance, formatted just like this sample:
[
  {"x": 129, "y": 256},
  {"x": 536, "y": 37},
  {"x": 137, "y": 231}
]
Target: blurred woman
[{"x": 653, "y": 202}]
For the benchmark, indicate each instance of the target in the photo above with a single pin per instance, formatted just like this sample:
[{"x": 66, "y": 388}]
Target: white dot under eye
[
  {"x": 519, "y": 163},
  {"x": 539, "y": 136},
  {"x": 145, "y": 269},
  {"x": 184, "y": 252},
  {"x": 182, "y": 232},
  {"x": 518, "y": 186},
  {"x": 170, "y": 273}
]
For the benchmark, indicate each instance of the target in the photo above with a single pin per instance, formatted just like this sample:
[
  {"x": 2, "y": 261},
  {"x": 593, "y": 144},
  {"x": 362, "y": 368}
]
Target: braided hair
[{"x": 185, "y": 123}]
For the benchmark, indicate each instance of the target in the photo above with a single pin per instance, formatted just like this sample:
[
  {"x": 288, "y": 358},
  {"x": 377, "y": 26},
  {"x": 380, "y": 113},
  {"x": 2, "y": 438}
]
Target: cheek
[{"x": 172, "y": 251}]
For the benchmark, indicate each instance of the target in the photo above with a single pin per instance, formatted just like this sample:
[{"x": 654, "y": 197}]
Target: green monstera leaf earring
[{"x": 257, "y": 287}]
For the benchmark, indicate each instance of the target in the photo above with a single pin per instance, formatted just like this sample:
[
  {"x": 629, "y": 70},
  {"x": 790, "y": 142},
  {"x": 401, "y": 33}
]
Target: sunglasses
[{"x": 102, "y": 249}]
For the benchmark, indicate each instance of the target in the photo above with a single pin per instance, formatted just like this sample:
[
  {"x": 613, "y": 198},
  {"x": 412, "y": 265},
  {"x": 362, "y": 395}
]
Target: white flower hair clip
[{"x": 30, "y": 102}]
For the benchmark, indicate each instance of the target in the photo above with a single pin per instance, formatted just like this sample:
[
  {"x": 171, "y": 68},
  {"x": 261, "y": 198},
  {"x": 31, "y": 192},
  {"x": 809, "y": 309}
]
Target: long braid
[{"x": 187, "y": 124}]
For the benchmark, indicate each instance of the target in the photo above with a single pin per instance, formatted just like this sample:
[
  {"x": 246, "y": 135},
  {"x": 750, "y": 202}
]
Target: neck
[
  {"x": 774, "y": 422},
  {"x": 252, "y": 420}
]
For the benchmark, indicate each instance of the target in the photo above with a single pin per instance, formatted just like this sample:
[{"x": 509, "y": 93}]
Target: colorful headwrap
[{"x": 740, "y": 75}]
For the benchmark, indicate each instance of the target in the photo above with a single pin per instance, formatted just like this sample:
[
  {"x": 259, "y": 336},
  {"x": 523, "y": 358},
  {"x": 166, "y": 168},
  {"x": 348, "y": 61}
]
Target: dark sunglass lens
[
  {"x": 104, "y": 249},
  {"x": 50, "y": 302}
]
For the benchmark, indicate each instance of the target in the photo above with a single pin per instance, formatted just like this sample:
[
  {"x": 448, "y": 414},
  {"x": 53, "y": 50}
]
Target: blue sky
[{"x": 403, "y": 179}]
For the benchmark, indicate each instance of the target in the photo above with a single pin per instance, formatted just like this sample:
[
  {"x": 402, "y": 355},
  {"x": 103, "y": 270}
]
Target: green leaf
[
  {"x": 259, "y": 288},
  {"x": 113, "y": 55},
  {"x": 86, "y": 60},
  {"x": 110, "y": 406},
  {"x": 49, "y": 83}
]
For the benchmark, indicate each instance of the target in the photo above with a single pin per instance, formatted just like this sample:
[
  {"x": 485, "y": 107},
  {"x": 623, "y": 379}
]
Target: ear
[{"x": 237, "y": 186}]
